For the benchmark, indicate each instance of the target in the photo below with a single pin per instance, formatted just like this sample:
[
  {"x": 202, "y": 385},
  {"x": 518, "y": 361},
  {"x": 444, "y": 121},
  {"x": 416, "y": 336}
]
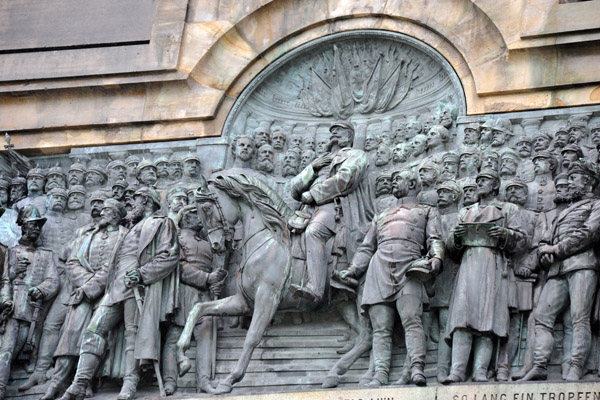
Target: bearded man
[
  {"x": 95, "y": 248},
  {"x": 265, "y": 160},
  {"x": 148, "y": 256},
  {"x": 569, "y": 255},
  {"x": 479, "y": 308},
  {"x": 343, "y": 181}
]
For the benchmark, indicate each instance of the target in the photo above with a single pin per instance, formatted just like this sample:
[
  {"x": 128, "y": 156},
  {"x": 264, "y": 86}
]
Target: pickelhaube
[{"x": 29, "y": 213}]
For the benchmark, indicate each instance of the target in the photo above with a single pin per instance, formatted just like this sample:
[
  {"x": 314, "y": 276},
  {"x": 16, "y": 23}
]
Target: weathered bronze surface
[{"x": 348, "y": 190}]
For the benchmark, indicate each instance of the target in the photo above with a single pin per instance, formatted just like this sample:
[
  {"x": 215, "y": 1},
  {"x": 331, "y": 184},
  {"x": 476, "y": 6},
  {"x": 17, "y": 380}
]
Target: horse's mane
[{"x": 258, "y": 194}]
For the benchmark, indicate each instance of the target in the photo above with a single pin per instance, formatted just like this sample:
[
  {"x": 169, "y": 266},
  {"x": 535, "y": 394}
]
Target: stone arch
[{"x": 460, "y": 31}]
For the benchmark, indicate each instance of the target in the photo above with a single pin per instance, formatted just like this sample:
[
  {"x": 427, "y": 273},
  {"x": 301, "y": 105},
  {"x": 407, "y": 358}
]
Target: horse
[{"x": 265, "y": 272}]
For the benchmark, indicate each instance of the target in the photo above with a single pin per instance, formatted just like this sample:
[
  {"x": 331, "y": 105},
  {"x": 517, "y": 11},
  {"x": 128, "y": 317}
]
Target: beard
[
  {"x": 136, "y": 214},
  {"x": 103, "y": 223},
  {"x": 265, "y": 166},
  {"x": 380, "y": 162},
  {"x": 574, "y": 195},
  {"x": 561, "y": 199},
  {"x": 382, "y": 191},
  {"x": 289, "y": 170},
  {"x": 520, "y": 201}
]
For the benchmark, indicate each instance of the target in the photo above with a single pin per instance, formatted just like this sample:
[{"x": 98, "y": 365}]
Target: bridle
[{"x": 205, "y": 194}]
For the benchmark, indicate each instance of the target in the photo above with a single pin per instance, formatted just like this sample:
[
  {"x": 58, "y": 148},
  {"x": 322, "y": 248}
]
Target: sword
[
  {"x": 29, "y": 343},
  {"x": 140, "y": 305}
]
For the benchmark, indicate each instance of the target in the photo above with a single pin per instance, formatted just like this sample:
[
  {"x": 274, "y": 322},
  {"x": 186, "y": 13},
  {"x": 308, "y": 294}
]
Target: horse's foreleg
[
  {"x": 362, "y": 345},
  {"x": 233, "y": 305},
  {"x": 265, "y": 305}
]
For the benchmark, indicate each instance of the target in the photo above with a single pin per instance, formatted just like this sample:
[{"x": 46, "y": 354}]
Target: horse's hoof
[
  {"x": 184, "y": 366},
  {"x": 222, "y": 388},
  {"x": 330, "y": 381}
]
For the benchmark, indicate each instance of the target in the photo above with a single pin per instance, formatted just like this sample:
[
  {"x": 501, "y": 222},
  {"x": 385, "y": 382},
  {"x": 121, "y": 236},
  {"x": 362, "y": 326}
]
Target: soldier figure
[
  {"x": 162, "y": 172},
  {"x": 479, "y": 309},
  {"x": 147, "y": 256},
  {"x": 176, "y": 199},
  {"x": 94, "y": 249},
  {"x": 449, "y": 166},
  {"x": 395, "y": 240},
  {"x": 116, "y": 171},
  {"x": 55, "y": 236},
  {"x": 341, "y": 192},
  {"x": 18, "y": 190},
  {"x": 449, "y": 194},
  {"x": 384, "y": 198},
  {"x": 469, "y": 162},
  {"x": 200, "y": 282},
  {"x": 77, "y": 174},
  {"x": 131, "y": 163},
  {"x": 471, "y": 137},
  {"x": 55, "y": 178},
  {"x": 118, "y": 189},
  {"x": 9, "y": 230},
  {"x": 501, "y": 132},
  {"x": 29, "y": 281},
  {"x": 95, "y": 178},
  {"x": 191, "y": 168},
  {"x": 568, "y": 252},
  {"x": 175, "y": 168},
  {"x": 266, "y": 159},
  {"x": 146, "y": 173},
  {"x": 428, "y": 174},
  {"x": 541, "y": 190},
  {"x": 469, "y": 192},
  {"x": 35, "y": 190},
  {"x": 523, "y": 266}
]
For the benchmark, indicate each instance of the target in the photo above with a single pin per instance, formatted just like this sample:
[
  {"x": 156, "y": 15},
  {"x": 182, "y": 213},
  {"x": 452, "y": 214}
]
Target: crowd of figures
[{"x": 492, "y": 237}]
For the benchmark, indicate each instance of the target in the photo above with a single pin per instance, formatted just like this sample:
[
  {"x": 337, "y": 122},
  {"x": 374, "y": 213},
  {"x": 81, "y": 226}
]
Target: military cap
[
  {"x": 488, "y": 173},
  {"x": 98, "y": 170},
  {"x": 174, "y": 159},
  {"x": 561, "y": 179},
  {"x": 574, "y": 148},
  {"x": 563, "y": 128},
  {"x": 98, "y": 195},
  {"x": 58, "y": 192},
  {"x": 491, "y": 153},
  {"x": 451, "y": 186},
  {"x": 176, "y": 191},
  {"x": 117, "y": 205},
  {"x": 161, "y": 159},
  {"x": 524, "y": 138},
  {"x": 77, "y": 189},
  {"x": 343, "y": 124},
  {"x": 18, "y": 180},
  {"x": 144, "y": 164},
  {"x": 122, "y": 184},
  {"x": 594, "y": 126},
  {"x": 37, "y": 171},
  {"x": 543, "y": 154},
  {"x": 516, "y": 182},
  {"x": 489, "y": 123},
  {"x": 115, "y": 163},
  {"x": 29, "y": 213},
  {"x": 56, "y": 170},
  {"x": 185, "y": 210},
  {"x": 77, "y": 167},
  {"x": 578, "y": 123},
  {"x": 132, "y": 159},
  {"x": 428, "y": 164},
  {"x": 473, "y": 125},
  {"x": 468, "y": 182},
  {"x": 503, "y": 125},
  {"x": 509, "y": 153},
  {"x": 544, "y": 134},
  {"x": 149, "y": 192},
  {"x": 191, "y": 156},
  {"x": 385, "y": 174},
  {"x": 450, "y": 156},
  {"x": 584, "y": 167}
]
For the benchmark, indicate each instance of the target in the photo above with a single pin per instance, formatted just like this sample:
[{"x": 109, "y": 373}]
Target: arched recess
[
  {"x": 377, "y": 79},
  {"x": 458, "y": 30}
]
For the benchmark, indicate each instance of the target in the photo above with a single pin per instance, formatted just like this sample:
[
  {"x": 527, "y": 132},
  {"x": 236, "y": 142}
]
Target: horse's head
[{"x": 212, "y": 214}]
